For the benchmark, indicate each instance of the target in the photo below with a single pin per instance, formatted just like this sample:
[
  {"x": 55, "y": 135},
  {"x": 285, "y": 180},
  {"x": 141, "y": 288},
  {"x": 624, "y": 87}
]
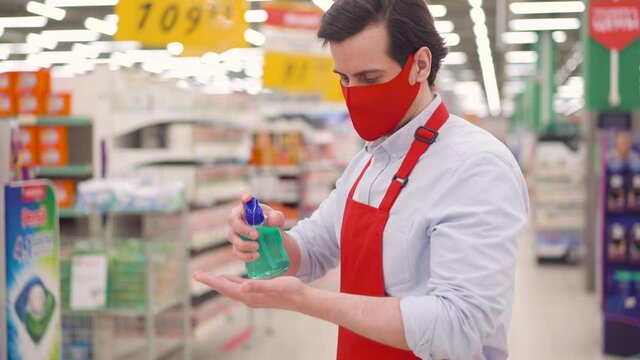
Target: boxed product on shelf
[
  {"x": 53, "y": 145},
  {"x": 30, "y": 103},
  {"x": 38, "y": 82},
  {"x": 129, "y": 195},
  {"x": 7, "y": 82},
  {"x": 65, "y": 193},
  {"x": 7, "y": 104},
  {"x": 58, "y": 104}
]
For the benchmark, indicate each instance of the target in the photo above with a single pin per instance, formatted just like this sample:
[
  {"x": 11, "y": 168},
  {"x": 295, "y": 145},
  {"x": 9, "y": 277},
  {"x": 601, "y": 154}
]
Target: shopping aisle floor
[{"x": 553, "y": 318}]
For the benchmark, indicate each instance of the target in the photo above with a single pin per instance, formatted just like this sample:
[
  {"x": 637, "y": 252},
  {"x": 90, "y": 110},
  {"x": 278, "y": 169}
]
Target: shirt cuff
[
  {"x": 304, "y": 271},
  {"x": 419, "y": 318}
]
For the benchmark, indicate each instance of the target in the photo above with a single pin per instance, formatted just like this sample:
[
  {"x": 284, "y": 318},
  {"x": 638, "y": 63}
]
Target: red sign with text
[{"x": 615, "y": 24}]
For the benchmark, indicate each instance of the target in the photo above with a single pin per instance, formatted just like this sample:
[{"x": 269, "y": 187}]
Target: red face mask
[{"x": 377, "y": 109}]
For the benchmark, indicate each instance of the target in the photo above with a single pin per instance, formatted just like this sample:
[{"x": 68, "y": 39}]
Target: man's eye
[
  {"x": 371, "y": 80},
  {"x": 344, "y": 80}
]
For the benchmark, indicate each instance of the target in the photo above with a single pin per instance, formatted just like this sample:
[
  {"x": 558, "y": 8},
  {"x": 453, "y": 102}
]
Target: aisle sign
[
  {"x": 295, "y": 59},
  {"x": 32, "y": 272},
  {"x": 614, "y": 24},
  {"x": 200, "y": 25}
]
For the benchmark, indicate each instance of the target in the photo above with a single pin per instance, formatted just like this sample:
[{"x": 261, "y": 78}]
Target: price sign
[
  {"x": 200, "y": 25},
  {"x": 302, "y": 73}
]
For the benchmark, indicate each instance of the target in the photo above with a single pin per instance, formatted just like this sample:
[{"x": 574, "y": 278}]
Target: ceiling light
[
  {"x": 55, "y": 57},
  {"x": 81, "y": 3},
  {"x": 112, "y": 18},
  {"x": 438, "y": 10},
  {"x": 17, "y": 65},
  {"x": 175, "y": 48},
  {"x": 559, "y": 36},
  {"x": 521, "y": 57},
  {"x": 72, "y": 35},
  {"x": 21, "y": 48},
  {"x": 254, "y": 37},
  {"x": 101, "y": 26},
  {"x": 256, "y": 16},
  {"x": 519, "y": 70},
  {"x": 323, "y": 4},
  {"x": 547, "y": 7},
  {"x": 4, "y": 53},
  {"x": 115, "y": 46},
  {"x": 86, "y": 50},
  {"x": 1, "y": 31},
  {"x": 45, "y": 10},
  {"x": 23, "y": 22},
  {"x": 122, "y": 59},
  {"x": 210, "y": 58},
  {"x": 444, "y": 26},
  {"x": 523, "y": 37},
  {"x": 475, "y": 3},
  {"x": 455, "y": 58},
  {"x": 451, "y": 39},
  {"x": 41, "y": 41},
  {"x": 544, "y": 24},
  {"x": 477, "y": 16}
]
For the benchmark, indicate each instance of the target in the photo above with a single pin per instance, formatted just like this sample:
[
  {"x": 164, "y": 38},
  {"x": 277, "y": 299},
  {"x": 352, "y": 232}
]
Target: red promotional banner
[
  {"x": 614, "y": 24},
  {"x": 287, "y": 16}
]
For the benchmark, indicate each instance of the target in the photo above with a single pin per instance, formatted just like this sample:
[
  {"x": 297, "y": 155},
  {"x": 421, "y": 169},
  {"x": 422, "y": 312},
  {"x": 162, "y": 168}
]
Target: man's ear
[{"x": 422, "y": 64}]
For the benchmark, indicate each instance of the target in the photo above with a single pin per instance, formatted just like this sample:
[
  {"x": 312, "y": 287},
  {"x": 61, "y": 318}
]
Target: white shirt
[{"x": 449, "y": 248}]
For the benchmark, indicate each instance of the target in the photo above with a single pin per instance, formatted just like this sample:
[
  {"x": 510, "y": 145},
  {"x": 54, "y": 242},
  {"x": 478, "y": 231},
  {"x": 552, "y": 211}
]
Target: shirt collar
[{"x": 398, "y": 143}]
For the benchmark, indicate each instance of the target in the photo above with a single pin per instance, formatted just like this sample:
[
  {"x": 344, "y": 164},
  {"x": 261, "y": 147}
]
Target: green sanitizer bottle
[{"x": 273, "y": 260}]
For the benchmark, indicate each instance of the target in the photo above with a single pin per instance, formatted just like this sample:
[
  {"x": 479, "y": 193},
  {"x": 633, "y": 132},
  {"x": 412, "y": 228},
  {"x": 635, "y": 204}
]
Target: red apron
[{"x": 361, "y": 245}]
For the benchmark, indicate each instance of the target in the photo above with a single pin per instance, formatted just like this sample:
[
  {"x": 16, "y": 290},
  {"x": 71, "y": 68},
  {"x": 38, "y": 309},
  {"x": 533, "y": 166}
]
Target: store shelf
[
  {"x": 132, "y": 348},
  {"x": 288, "y": 170},
  {"x": 54, "y": 120},
  {"x": 79, "y": 170},
  {"x": 133, "y": 158},
  {"x": 70, "y": 214},
  {"x": 209, "y": 246}
]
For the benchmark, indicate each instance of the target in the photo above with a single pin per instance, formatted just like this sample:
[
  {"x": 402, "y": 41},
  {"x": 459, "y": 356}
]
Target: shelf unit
[{"x": 559, "y": 199}]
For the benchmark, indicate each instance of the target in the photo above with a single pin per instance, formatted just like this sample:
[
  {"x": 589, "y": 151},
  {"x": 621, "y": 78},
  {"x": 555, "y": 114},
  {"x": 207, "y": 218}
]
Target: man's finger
[
  {"x": 239, "y": 226},
  {"x": 245, "y": 256},
  {"x": 243, "y": 245},
  {"x": 219, "y": 283}
]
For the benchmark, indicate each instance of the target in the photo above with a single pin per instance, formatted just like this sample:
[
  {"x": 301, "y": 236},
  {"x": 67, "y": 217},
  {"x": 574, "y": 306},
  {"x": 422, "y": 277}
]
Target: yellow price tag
[
  {"x": 302, "y": 73},
  {"x": 203, "y": 25}
]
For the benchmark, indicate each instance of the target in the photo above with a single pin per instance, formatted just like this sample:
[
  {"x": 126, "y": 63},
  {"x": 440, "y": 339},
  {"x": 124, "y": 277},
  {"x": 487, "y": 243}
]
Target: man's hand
[{"x": 284, "y": 292}]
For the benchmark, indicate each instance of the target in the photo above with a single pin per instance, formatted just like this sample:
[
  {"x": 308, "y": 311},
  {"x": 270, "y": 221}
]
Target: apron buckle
[
  {"x": 433, "y": 135},
  {"x": 401, "y": 180}
]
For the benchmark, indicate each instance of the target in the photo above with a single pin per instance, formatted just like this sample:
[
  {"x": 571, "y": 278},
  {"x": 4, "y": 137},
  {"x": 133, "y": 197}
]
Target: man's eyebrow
[{"x": 360, "y": 73}]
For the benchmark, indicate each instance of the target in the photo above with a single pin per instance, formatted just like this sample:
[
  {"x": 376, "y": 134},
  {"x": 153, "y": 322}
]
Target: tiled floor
[{"x": 553, "y": 318}]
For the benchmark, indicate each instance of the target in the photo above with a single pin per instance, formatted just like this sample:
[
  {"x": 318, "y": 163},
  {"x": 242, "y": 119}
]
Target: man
[{"x": 426, "y": 239}]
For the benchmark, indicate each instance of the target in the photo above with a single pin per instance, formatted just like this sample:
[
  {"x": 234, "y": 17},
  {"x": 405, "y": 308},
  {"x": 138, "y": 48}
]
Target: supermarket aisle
[{"x": 553, "y": 318}]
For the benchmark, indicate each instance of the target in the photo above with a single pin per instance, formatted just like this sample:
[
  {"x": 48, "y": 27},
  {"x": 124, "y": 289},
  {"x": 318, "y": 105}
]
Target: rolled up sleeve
[
  {"x": 473, "y": 240},
  {"x": 318, "y": 240}
]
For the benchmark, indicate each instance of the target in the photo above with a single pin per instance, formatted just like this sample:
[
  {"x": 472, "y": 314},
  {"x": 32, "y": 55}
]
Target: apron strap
[
  {"x": 423, "y": 138},
  {"x": 355, "y": 185}
]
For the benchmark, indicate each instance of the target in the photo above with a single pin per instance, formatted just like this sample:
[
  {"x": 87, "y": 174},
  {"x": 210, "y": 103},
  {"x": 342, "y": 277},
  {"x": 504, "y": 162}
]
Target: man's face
[{"x": 363, "y": 59}]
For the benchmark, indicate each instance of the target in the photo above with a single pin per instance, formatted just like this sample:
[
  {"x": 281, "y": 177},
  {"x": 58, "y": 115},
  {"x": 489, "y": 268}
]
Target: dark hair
[{"x": 409, "y": 23}]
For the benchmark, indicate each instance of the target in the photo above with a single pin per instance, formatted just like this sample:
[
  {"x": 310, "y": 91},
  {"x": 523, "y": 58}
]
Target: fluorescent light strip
[
  {"x": 451, "y": 39},
  {"x": 559, "y": 36},
  {"x": 444, "y": 26},
  {"x": 4, "y": 53},
  {"x": 256, "y": 16},
  {"x": 72, "y": 35},
  {"x": 437, "y": 10},
  {"x": 45, "y": 10},
  {"x": 55, "y": 57},
  {"x": 81, "y": 3},
  {"x": 523, "y": 37},
  {"x": 175, "y": 48},
  {"x": 546, "y": 7},
  {"x": 455, "y": 58},
  {"x": 23, "y": 22},
  {"x": 1, "y": 31},
  {"x": 115, "y": 46},
  {"x": 21, "y": 48},
  {"x": 544, "y": 24},
  {"x": 41, "y": 41},
  {"x": 521, "y": 57},
  {"x": 483, "y": 45},
  {"x": 87, "y": 51},
  {"x": 101, "y": 26},
  {"x": 254, "y": 37}
]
